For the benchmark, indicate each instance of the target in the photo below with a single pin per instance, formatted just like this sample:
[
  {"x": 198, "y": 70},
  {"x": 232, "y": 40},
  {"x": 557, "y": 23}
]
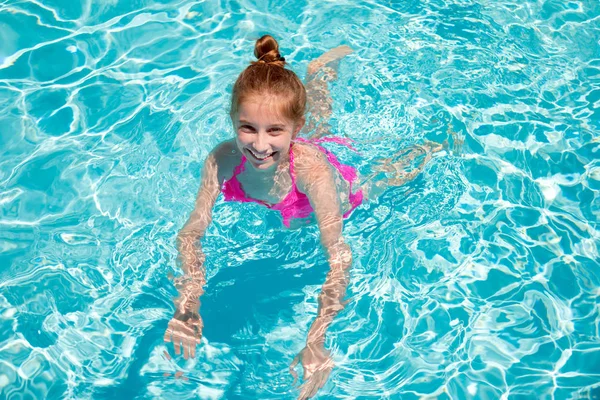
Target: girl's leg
[
  {"x": 402, "y": 167},
  {"x": 319, "y": 72}
]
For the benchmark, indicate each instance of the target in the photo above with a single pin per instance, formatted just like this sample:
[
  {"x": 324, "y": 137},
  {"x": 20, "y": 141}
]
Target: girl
[{"x": 268, "y": 163}]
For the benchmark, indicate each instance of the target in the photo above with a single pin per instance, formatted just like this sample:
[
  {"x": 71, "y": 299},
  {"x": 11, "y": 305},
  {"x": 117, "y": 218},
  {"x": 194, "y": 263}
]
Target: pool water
[{"x": 477, "y": 280}]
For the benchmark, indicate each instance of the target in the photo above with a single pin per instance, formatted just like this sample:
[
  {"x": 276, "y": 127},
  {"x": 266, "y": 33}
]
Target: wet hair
[{"x": 267, "y": 76}]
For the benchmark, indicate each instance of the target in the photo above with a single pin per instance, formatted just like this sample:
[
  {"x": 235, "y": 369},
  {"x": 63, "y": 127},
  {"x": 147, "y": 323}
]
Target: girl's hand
[
  {"x": 317, "y": 365},
  {"x": 185, "y": 329}
]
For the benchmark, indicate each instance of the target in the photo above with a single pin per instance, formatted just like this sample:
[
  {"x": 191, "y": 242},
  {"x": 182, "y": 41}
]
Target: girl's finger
[
  {"x": 293, "y": 371},
  {"x": 176, "y": 344},
  {"x": 295, "y": 361},
  {"x": 186, "y": 349},
  {"x": 322, "y": 379},
  {"x": 295, "y": 375},
  {"x": 167, "y": 337},
  {"x": 193, "y": 350},
  {"x": 308, "y": 389},
  {"x": 198, "y": 333}
]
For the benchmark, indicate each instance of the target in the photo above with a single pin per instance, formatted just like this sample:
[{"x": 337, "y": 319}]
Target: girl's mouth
[{"x": 258, "y": 157}]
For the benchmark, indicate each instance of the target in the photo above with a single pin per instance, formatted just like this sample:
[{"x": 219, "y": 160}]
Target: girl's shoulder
[
  {"x": 308, "y": 155},
  {"x": 309, "y": 160},
  {"x": 227, "y": 156}
]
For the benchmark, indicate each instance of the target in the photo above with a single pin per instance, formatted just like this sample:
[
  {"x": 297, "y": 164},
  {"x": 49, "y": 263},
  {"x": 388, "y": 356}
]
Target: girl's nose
[{"x": 261, "y": 144}]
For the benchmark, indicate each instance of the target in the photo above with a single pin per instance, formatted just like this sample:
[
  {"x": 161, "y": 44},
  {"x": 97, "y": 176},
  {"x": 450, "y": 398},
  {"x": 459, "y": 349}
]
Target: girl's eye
[
  {"x": 275, "y": 130},
  {"x": 247, "y": 128}
]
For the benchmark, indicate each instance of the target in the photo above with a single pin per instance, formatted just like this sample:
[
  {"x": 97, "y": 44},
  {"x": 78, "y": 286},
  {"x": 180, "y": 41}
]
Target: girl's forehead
[{"x": 266, "y": 109}]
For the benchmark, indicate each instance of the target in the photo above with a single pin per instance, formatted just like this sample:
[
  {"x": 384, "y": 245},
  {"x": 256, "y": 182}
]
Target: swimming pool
[{"x": 477, "y": 280}]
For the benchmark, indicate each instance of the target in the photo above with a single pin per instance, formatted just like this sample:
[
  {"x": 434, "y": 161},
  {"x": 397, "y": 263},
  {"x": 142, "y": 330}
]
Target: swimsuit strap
[
  {"x": 292, "y": 172},
  {"x": 240, "y": 168}
]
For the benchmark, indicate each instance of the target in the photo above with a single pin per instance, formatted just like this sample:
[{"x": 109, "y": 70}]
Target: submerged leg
[
  {"x": 319, "y": 72},
  {"x": 402, "y": 167}
]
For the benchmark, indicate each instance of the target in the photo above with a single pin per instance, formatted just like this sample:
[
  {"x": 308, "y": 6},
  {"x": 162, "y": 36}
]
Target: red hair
[{"x": 268, "y": 77}]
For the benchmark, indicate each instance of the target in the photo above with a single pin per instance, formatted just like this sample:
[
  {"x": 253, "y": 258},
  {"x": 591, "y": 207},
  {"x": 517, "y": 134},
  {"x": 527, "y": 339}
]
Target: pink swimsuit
[{"x": 296, "y": 203}]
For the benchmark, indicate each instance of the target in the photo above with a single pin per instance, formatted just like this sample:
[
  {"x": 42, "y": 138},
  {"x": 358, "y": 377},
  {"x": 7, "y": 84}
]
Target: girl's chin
[{"x": 263, "y": 165}]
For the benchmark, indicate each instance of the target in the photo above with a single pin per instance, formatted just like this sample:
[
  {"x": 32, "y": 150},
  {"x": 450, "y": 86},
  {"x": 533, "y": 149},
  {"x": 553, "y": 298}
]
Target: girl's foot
[{"x": 332, "y": 55}]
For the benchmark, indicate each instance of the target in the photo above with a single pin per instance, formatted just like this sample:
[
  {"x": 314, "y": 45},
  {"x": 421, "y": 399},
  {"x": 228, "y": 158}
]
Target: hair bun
[{"x": 266, "y": 50}]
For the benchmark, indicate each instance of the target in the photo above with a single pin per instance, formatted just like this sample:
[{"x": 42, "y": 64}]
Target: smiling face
[{"x": 264, "y": 134}]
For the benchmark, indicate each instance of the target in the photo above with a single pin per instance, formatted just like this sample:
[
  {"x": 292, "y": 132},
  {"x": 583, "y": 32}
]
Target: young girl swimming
[{"x": 269, "y": 164}]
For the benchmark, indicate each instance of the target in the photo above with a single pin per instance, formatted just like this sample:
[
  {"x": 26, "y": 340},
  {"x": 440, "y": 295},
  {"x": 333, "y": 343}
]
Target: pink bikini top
[{"x": 296, "y": 203}]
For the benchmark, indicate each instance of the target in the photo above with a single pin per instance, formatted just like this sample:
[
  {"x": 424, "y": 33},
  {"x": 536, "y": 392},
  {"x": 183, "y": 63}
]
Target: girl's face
[{"x": 264, "y": 135}]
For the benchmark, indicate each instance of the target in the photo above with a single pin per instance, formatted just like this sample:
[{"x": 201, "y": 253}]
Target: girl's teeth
[{"x": 259, "y": 158}]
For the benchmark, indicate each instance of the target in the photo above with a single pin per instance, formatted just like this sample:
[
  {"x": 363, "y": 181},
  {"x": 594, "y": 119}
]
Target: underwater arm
[
  {"x": 188, "y": 239},
  {"x": 317, "y": 181},
  {"x": 185, "y": 328},
  {"x": 339, "y": 256}
]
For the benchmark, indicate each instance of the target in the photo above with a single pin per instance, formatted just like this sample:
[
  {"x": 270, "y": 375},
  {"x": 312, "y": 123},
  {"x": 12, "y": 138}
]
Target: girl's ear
[{"x": 298, "y": 126}]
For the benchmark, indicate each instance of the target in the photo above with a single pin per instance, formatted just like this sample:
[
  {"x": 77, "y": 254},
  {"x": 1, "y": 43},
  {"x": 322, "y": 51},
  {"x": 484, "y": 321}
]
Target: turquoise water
[{"x": 478, "y": 280}]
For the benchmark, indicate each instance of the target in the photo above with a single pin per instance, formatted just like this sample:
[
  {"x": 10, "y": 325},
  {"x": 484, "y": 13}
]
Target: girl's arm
[
  {"x": 188, "y": 239},
  {"x": 316, "y": 179},
  {"x": 185, "y": 328}
]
